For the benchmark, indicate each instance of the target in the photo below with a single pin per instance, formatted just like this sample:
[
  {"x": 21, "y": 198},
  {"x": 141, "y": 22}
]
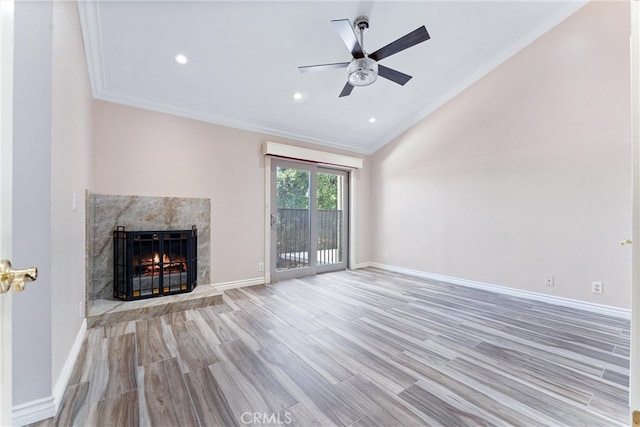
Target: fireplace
[{"x": 149, "y": 264}]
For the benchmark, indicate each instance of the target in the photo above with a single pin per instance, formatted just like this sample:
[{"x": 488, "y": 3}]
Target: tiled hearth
[
  {"x": 104, "y": 213},
  {"x": 108, "y": 311}
]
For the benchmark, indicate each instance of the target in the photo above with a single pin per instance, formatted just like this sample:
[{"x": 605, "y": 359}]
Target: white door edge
[{"x": 6, "y": 184}]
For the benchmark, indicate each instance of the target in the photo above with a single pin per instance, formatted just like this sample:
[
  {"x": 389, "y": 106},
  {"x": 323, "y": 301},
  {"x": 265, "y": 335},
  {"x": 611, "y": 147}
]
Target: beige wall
[
  {"x": 71, "y": 174},
  {"x": 140, "y": 152},
  {"x": 526, "y": 173}
]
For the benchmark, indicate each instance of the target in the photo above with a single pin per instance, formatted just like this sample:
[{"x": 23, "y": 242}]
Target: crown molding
[
  {"x": 90, "y": 27},
  {"x": 492, "y": 64},
  {"x": 89, "y": 13},
  {"x": 251, "y": 126}
]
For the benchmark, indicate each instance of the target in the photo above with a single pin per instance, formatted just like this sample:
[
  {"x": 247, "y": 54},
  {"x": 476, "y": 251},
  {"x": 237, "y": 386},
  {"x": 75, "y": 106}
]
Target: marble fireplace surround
[{"x": 104, "y": 213}]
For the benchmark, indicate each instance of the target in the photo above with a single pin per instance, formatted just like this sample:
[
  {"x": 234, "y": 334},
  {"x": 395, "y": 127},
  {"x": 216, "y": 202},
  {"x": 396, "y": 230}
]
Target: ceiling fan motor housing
[{"x": 362, "y": 71}]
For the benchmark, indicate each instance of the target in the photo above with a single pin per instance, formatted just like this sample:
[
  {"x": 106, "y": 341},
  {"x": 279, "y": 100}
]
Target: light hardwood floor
[{"x": 357, "y": 348}]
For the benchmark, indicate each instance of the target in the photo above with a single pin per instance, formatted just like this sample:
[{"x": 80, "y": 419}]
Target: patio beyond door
[{"x": 308, "y": 218}]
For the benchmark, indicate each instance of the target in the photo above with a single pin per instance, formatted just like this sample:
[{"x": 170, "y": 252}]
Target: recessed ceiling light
[
  {"x": 181, "y": 59},
  {"x": 300, "y": 96},
  {"x": 372, "y": 120}
]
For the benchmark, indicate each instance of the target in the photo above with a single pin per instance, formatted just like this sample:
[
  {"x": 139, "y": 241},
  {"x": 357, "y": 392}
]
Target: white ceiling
[{"x": 243, "y": 59}]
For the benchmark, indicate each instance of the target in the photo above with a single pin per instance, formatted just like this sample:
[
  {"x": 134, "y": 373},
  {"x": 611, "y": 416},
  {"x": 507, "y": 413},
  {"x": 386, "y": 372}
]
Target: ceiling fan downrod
[
  {"x": 362, "y": 71},
  {"x": 362, "y": 23}
]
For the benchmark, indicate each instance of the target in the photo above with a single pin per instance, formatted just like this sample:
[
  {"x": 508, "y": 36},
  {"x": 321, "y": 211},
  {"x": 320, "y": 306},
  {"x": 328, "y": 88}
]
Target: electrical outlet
[
  {"x": 596, "y": 287},
  {"x": 548, "y": 280},
  {"x": 261, "y": 266}
]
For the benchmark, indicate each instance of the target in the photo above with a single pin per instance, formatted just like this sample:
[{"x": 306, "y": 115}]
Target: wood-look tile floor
[{"x": 355, "y": 348}]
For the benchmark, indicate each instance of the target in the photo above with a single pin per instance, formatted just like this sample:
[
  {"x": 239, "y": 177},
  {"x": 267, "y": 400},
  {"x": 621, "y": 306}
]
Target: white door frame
[
  {"x": 634, "y": 374},
  {"x": 267, "y": 220},
  {"x": 6, "y": 186}
]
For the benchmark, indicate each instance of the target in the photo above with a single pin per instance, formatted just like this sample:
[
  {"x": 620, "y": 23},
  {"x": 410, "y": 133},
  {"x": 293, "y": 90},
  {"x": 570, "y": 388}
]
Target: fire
[
  {"x": 165, "y": 258},
  {"x": 151, "y": 265}
]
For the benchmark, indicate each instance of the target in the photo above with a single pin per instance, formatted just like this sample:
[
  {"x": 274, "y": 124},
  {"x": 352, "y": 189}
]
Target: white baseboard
[
  {"x": 361, "y": 265},
  {"x": 63, "y": 379},
  {"x": 34, "y": 411},
  {"x": 225, "y": 286},
  {"x": 47, "y": 407},
  {"x": 566, "y": 302}
]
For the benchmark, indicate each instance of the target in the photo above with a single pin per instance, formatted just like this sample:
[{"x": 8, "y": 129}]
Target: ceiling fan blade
[
  {"x": 345, "y": 31},
  {"x": 413, "y": 38},
  {"x": 346, "y": 90},
  {"x": 393, "y": 75},
  {"x": 322, "y": 67}
]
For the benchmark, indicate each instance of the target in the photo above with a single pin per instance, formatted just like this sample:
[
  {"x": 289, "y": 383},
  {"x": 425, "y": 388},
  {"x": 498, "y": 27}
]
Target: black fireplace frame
[{"x": 180, "y": 248}]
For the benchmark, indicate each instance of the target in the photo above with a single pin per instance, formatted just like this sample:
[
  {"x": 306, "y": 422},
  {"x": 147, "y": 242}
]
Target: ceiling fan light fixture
[{"x": 362, "y": 71}]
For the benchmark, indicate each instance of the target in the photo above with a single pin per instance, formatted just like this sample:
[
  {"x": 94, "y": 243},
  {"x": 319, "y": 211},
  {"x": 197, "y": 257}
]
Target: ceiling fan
[{"x": 364, "y": 69}]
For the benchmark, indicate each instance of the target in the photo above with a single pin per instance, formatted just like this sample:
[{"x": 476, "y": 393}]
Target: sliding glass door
[
  {"x": 308, "y": 219},
  {"x": 331, "y": 210},
  {"x": 291, "y": 216}
]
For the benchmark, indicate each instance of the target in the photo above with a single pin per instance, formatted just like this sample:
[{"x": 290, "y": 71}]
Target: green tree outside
[
  {"x": 327, "y": 191},
  {"x": 292, "y": 189}
]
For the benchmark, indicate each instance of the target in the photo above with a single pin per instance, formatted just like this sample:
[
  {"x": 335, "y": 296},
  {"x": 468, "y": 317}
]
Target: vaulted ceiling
[{"x": 243, "y": 58}]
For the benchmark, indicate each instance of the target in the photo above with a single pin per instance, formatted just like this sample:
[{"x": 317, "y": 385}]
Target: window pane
[
  {"x": 330, "y": 218},
  {"x": 293, "y": 231}
]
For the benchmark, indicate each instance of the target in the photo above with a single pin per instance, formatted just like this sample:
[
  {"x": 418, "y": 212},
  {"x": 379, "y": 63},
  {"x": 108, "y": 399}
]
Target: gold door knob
[
  {"x": 626, "y": 242},
  {"x": 11, "y": 276}
]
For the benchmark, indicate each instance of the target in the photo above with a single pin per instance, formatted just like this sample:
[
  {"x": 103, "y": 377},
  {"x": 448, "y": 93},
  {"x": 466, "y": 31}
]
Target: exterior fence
[{"x": 294, "y": 233}]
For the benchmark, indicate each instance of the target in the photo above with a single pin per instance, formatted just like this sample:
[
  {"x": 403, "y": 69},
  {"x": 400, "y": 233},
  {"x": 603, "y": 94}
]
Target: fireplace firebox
[{"x": 149, "y": 264}]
